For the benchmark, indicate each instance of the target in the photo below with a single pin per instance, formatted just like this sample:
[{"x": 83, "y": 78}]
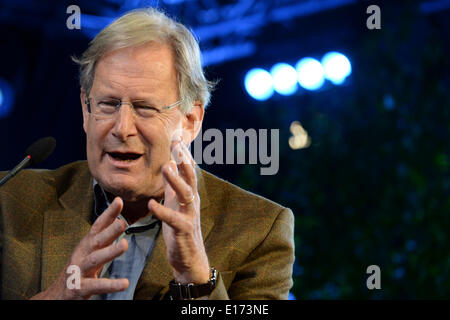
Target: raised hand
[
  {"x": 93, "y": 251},
  {"x": 180, "y": 215}
]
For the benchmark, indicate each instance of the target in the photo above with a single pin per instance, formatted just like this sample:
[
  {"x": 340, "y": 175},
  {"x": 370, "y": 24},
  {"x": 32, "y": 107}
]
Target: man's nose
[{"x": 124, "y": 125}]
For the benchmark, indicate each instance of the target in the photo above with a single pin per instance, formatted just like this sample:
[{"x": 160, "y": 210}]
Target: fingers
[
  {"x": 93, "y": 252},
  {"x": 96, "y": 248},
  {"x": 107, "y": 235},
  {"x": 185, "y": 163},
  {"x": 90, "y": 286},
  {"x": 169, "y": 216},
  {"x": 182, "y": 178},
  {"x": 108, "y": 216},
  {"x": 97, "y": 258},
  {"x": 182, "y": 190}
]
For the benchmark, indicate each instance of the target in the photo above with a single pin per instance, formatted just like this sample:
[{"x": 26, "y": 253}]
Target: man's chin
[
  {"x": 127, "y": 190},
  {"x": 126, "y": 194}
]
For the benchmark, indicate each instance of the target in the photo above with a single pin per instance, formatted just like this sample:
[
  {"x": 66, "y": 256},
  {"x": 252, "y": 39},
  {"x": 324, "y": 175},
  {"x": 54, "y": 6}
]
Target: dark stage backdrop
[{"x": 372, "y": 188}]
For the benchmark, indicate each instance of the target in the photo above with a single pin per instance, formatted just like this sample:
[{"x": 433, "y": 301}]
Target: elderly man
[{"x": 139, "y": 220}]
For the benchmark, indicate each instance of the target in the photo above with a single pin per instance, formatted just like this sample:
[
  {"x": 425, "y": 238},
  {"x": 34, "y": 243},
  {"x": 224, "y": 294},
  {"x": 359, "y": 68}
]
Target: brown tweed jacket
[{"x": 45, "y": 213}]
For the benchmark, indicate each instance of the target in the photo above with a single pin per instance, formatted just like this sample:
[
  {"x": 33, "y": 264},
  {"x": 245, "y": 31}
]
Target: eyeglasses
[{"x": 107, "y": 108}]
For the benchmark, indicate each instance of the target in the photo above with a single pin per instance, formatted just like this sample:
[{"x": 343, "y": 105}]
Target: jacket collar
[{"x": 67, "y": 223}]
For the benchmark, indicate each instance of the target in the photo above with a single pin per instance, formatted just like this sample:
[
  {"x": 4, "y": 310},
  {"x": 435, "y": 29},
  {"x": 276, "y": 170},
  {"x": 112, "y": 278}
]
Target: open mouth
[{"x": 127, "y": 157}]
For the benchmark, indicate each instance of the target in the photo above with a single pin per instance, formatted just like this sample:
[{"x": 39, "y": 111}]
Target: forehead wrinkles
[{"x": 138, "y": 67}]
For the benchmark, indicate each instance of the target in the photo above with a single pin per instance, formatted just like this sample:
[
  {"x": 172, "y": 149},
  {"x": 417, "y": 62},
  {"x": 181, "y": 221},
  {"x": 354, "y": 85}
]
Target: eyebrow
[
  {"x": 111, "y": 95},
  {"x": 108, "y": 90}
]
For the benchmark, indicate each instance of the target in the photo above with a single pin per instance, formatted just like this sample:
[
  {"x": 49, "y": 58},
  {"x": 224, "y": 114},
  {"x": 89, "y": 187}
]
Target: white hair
[{"x": 141, "y": 26}]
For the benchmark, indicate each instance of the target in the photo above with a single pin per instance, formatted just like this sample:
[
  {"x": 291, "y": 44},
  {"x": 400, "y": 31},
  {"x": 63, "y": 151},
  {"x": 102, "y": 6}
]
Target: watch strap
[{"x": 190, "y": 291}]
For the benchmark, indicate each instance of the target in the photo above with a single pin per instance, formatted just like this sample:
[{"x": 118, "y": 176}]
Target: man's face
[{"x": 144, "y": 73}]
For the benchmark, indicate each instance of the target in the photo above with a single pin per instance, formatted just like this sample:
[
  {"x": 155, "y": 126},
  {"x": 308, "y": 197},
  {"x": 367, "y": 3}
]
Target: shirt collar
[{"x": 101, "y": 202}]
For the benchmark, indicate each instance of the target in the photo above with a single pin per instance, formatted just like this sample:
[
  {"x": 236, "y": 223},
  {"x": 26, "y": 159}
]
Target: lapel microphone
[{"x": 35, "y": 154}]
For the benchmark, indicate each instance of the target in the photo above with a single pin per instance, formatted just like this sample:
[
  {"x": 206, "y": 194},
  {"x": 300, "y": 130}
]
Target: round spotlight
[
  {"x": 284, "y": 78},
  {"x": 336, "y": 67},
  {"x": 259, "y": 84},
  {"x": 310, "y": 73},
  {"x": 6, "y": 98}
]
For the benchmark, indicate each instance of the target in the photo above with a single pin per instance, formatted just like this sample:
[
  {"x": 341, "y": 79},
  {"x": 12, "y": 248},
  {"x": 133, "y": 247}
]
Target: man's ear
[
  {"x": 192, "y": 122},
  {"x": 84, "y": 109}
]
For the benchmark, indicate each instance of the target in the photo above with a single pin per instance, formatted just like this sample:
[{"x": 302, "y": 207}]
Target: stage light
[
  {"x": 6, "y": 98},
  {"x": 300, "y": 138},
  {"x": 259, "y": 84},
  {"x": 310, "y": 73},
  {"x": 284, "y": 78},
  {"x": 336, "y": 67},
  {"x": 389, "y": 102}
]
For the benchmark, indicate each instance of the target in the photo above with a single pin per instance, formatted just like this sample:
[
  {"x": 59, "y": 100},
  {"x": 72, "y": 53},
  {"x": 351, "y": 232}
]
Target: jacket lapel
[
  {"x": 66, "y": 224},
  {"x": 155, "y": 278}
]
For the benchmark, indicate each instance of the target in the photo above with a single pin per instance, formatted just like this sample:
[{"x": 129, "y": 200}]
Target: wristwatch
[{"x": 190, "y": 291}]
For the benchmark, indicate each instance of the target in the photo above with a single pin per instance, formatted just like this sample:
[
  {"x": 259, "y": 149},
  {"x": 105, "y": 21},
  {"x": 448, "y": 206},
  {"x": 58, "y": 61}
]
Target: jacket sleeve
[
  {"x": 2, "y": 174},
  {"x": 267, "y": 271}
]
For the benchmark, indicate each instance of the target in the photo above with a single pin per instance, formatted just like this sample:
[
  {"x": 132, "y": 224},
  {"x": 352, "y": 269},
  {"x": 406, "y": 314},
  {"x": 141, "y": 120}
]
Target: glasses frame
[{"x": 119, "y": 105}]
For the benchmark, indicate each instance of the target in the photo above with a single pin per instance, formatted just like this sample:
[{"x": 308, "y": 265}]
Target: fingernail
[
  {"x": 173, "y": 167},
  {"x": 117, "y": 201},
  {"x": 119, "y": 245}
]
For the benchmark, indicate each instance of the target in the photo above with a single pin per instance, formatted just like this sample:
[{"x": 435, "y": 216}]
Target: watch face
[{"x": 213, "y": 278}]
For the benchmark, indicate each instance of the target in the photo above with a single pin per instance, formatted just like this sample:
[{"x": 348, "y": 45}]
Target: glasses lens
[
  {"x": 144, "y": 110},
  {"x": 106, "y": 107}
]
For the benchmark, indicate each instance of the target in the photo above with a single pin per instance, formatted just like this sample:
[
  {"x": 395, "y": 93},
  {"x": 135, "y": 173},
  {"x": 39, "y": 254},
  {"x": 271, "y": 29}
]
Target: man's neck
[{"x": 134, "y": 210}]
